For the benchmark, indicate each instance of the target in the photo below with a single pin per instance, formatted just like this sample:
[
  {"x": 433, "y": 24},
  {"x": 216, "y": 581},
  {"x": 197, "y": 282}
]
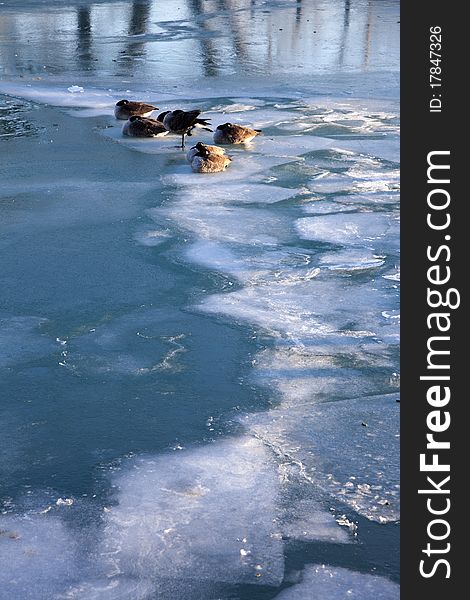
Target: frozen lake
[{"x": 199, "y": 373}]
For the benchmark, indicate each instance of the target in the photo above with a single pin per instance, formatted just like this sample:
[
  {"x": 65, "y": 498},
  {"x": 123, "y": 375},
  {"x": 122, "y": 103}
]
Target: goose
[
  {"x": 143, "y": 127},
  {"x": 205, "y": 162},
  {"x": 195, "y": 149},
  {"x": 228, "y": 133},
  {"x": 124, "y": 109},
  {"x": 183, "y": 122}
]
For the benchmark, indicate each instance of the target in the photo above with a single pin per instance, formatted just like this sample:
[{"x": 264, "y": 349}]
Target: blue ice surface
[{"x": 199, "y": 374}]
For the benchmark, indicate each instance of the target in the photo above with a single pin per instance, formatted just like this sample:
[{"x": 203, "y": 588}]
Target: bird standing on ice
[
  {"x": 143, "y": 127},
  {"x": 183, "y": 122},
  {"x": 228, "y": 133},
  {"x": 207, "y": 162},
  {"x": 125, "y": 109}
]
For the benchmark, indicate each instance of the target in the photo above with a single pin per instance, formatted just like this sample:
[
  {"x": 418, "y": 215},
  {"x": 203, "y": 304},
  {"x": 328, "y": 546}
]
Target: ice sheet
[
  {"x": 322, "y": 581},
  {"x": 362, "y": 229},
  {"x": 41, "y": 556},
  {"x": 192, "y": 519},
  {"x": 209, "y": 514},
  {"x": 350, "y": 448},
  {"x": 300, "y": 307}
]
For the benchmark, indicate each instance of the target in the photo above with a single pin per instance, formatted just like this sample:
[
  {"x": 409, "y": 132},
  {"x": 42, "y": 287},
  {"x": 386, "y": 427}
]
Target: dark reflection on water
[
  {"x": 208, "y": 49},
  {"x": 139, "y": 17},
  {"x": 298, "y": 11},
  {"x": 199, "y": 38},
  {"x": 346, "y": 21},
  {"x": 84, "y": 39},
  {"x": 368, "y": 32},
  {"x": 138, "y": 26}
]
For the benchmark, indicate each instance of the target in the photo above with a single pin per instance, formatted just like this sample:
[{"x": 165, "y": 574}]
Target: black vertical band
[{"x": 434, "y": 259}]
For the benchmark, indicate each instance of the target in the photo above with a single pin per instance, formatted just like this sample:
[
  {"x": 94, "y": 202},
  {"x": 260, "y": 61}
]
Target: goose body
[
  {"x": 183, "y": 122},
  {"x": 211, "y": 149},
  {"x": 207, "y": 162},
  {"x": 228, "y": 133},
  {"x": 125, "y": 109},
  {"x": 143, "y": 127}
]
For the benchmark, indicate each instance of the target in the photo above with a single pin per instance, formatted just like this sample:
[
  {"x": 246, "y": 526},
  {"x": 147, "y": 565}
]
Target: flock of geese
[{"x": 203, "y": 158}]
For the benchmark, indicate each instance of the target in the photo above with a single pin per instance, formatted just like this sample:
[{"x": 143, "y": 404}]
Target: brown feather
[
  {"x": 228, "y": 133},
  {"x": 144, "y": 127}
]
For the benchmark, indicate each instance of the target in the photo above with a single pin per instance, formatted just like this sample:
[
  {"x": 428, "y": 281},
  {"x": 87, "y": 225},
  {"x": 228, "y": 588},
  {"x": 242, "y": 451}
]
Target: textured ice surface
[
  {"x": 14, "y": 122},
  {"x": 60, "y": 96},
  {"x": 393, "y": 276},
  {"x": 285, "y": 308},
  {"x": 38, "y": 556},
  {"x": 216, "y": 214},
  {"x": 208, "y": 515},
  {"x": 368, "y": 199},
  {"x": 152, "y": 237},
  {"x": 320, "y": 581},
  {"x": 190, "y": 515},
  {"x": 290, "y": 146},
  {"x": 364, "y": 229},
  {"x": 303, "y": 518},
  {"x": 270, "y": 262},
  {"x": 189, "y": 520},
  {"x": 350, "y": 447},
  {"x": 235, "y": 193},
  {"x": 93, "y": 99},
  {"x": 46, "y": 561},
  {"x": 118, "y": 588},
  {"x": 351, "y": 260},
  {"x": 339, "y": 426},
  {"x": 354, "y": 181},
  {"x": 385, "y": 149}
]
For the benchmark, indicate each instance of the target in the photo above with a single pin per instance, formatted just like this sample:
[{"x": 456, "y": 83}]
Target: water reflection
[
  {"x": 139, "y": 17},
  {"x": 368, "y": 32},
  {"x": 298, "y": 11},
  {"x": 347, "y": 17},
  {"x": 208, "y": 50},
  {"x": 200, "y": 38},
  {"x": 138, "y": 26},
  {"x": 84, "y": 39}
]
